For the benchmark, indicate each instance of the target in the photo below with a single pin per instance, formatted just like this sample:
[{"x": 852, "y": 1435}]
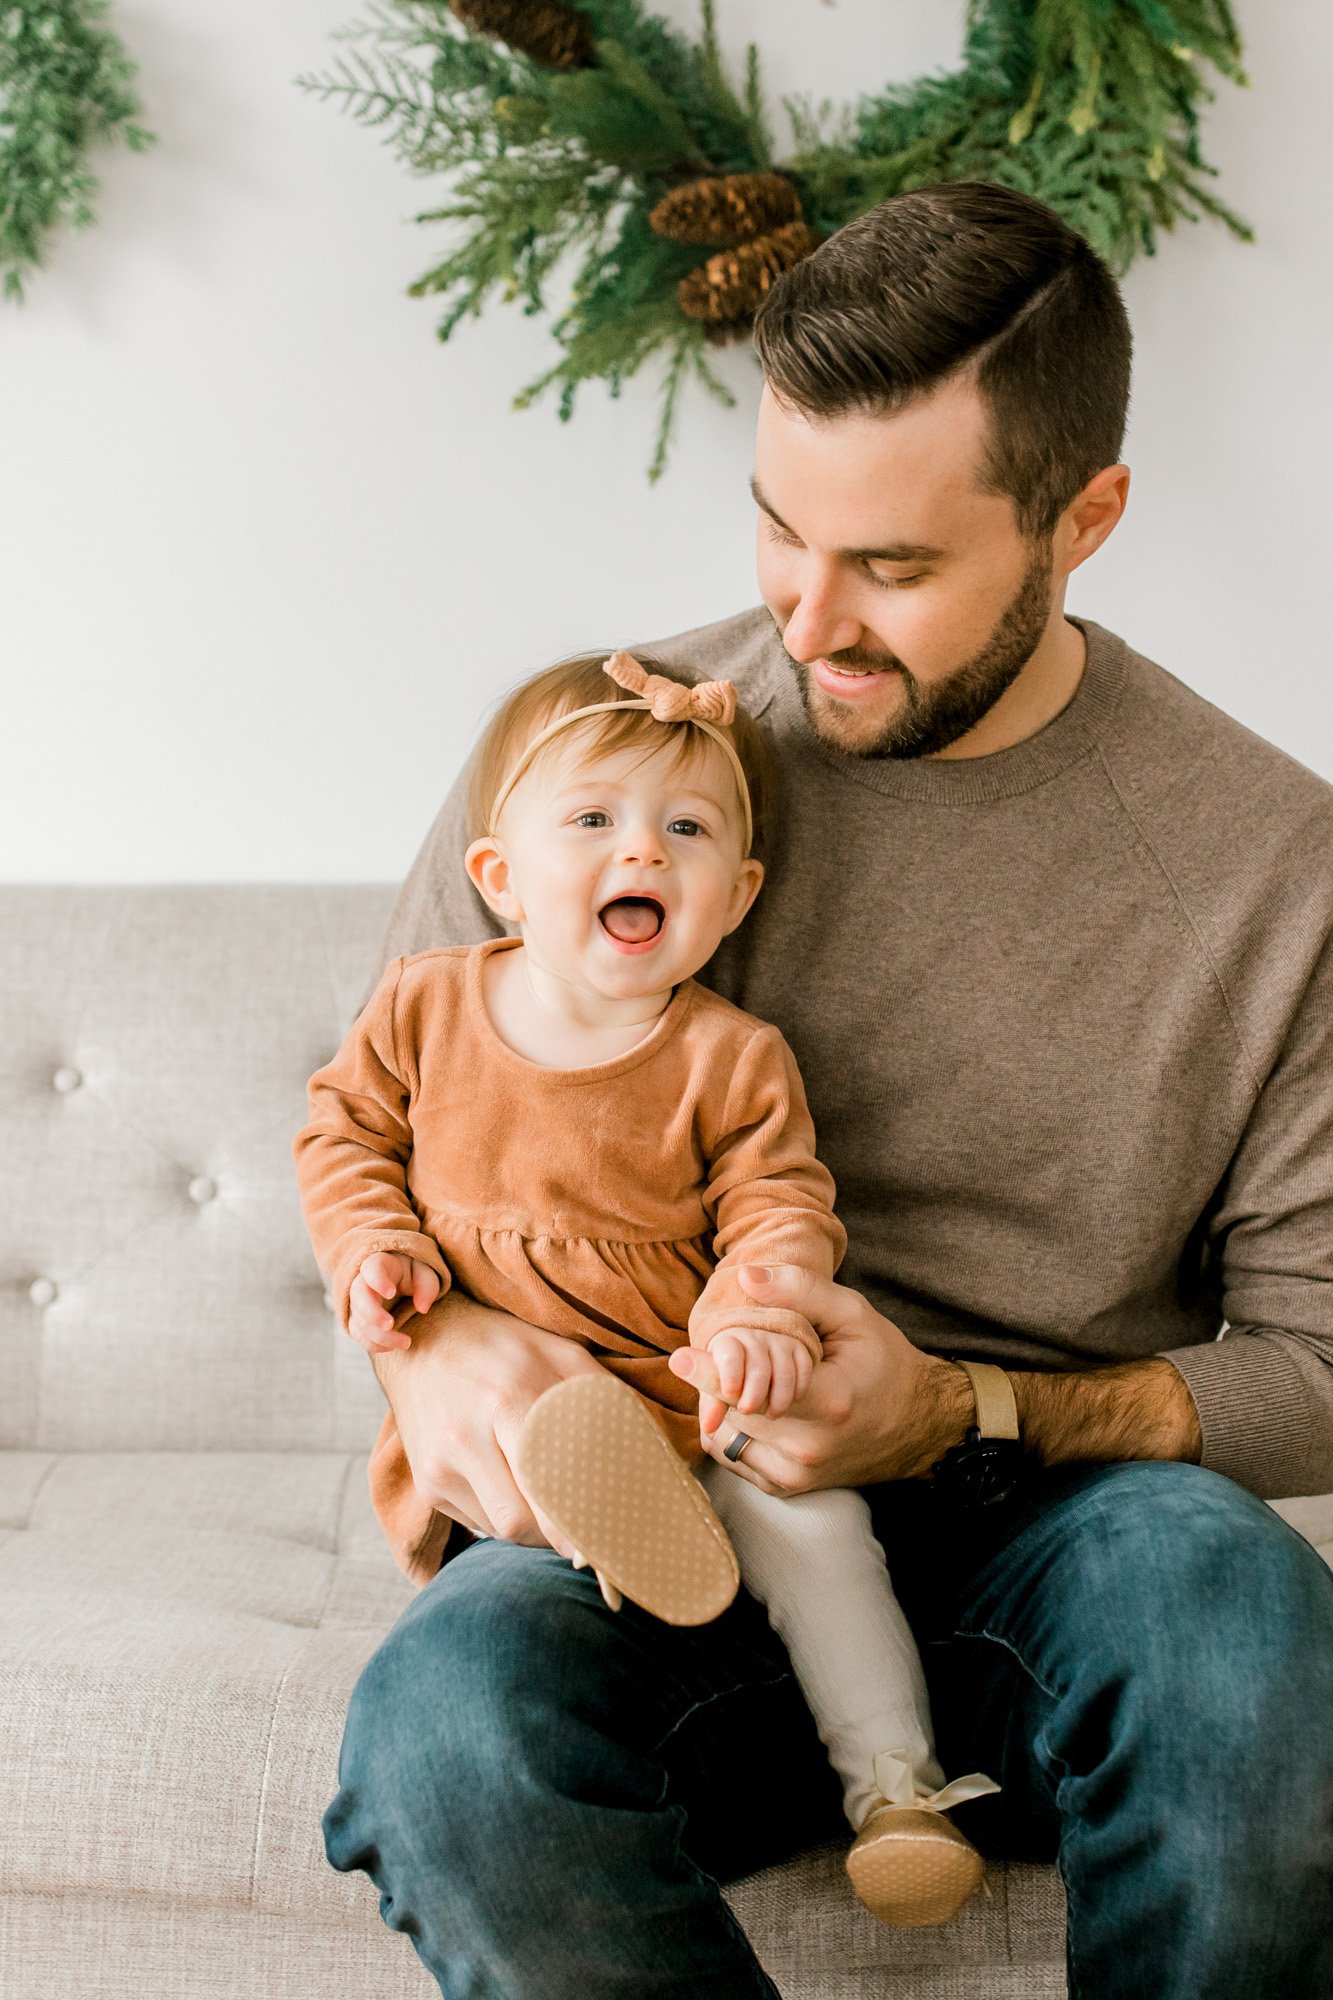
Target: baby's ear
[
  {"x": 749, "y": 881},
  {"x": 487, "y": 866}
]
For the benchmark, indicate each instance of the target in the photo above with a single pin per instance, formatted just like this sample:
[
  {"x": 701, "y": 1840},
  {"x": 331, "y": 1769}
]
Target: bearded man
[{"x": 1052, "y": 940}]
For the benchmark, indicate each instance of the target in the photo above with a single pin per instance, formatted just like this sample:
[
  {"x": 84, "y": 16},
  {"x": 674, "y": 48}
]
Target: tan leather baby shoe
[
  {"x": 911, "y": 1865},
  {"x": 601, "y": 1468}
]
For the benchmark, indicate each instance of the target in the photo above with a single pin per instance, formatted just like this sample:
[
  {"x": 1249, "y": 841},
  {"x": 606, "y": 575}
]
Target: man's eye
[
  {"x": 899, "y": 582},
  {"x": 775, "y": 534}
]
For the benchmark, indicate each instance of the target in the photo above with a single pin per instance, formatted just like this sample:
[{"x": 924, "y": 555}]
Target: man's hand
[
  {"x": 381, "y": 1280},
  {"x": 458, "y": 1399},
  {"x": 876, "y": 1408}
]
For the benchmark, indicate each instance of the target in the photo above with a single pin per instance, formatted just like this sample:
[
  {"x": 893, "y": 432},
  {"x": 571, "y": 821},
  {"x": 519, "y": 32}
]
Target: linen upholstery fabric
[{"x": 191, "y": 1576}]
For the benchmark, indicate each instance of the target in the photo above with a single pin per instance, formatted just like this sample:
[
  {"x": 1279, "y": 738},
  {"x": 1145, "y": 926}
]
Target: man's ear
[
  {"x": 749, "y": 881},
  {"x": 487, "y": 865},
  {"x": 1090, "y": 517}
]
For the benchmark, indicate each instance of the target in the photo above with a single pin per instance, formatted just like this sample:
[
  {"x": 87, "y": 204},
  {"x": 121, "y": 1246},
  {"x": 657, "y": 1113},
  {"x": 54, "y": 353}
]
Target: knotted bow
[
  {"x": 897, "y": 1785},
  {"x": 673, "y": 701}
]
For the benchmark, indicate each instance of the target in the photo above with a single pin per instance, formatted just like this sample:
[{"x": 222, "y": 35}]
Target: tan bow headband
[{"x": 705, "y": 705}]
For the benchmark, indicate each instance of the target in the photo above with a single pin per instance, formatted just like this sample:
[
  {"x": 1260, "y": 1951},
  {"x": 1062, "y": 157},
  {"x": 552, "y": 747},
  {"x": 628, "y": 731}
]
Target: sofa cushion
[
  {"x": 180, "y": 1638},
  {"x": 182, "y": 1631},
  {"x": 157, "y": 1287}
]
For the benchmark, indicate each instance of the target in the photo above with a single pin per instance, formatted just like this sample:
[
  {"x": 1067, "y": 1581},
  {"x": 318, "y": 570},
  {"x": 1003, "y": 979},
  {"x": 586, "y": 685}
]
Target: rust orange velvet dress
[{"x": 611, "y": 1204}]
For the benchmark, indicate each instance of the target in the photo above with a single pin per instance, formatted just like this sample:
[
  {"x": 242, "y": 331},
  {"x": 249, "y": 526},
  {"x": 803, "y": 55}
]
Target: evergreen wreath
[
  {"x": 64, "y": 85},
  {"x": 601, "y": 133}
]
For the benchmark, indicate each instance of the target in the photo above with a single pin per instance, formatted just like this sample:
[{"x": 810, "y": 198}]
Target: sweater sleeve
[
  {"x": 351, "y": 1157},
  {"x": 769, "y": 1198},
  {"x": 1264, "y": 1391}
]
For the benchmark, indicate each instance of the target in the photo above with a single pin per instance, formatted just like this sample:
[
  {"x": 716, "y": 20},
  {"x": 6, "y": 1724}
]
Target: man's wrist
[
  {"x": 1131, "y": 1410},
  {"x": 948, "y": 1410}
]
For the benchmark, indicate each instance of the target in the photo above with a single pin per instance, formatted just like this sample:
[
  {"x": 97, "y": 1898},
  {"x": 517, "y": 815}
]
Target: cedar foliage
[
  {"x": 559, "y": 173},
  {"x": 65, "y": 85}
]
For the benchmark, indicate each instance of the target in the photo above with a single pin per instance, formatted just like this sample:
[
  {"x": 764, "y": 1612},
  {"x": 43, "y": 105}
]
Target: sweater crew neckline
[
  {"x": 964, "y": 781},
  {"x": 663, "y": 1030}
]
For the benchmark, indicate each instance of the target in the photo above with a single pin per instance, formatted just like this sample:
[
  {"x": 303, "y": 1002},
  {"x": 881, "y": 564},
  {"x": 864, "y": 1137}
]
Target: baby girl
[{"x": 568, "y": 1126}]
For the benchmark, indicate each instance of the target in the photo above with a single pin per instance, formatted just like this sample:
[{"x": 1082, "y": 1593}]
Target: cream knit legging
[{"x": 813, "y": 1561}]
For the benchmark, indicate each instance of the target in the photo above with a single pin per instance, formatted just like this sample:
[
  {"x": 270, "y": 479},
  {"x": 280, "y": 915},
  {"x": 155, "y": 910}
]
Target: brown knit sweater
[{"x": 1064, "y": 1017}]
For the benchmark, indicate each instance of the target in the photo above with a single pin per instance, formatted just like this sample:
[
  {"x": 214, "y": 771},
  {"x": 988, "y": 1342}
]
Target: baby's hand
[
  {"x": 383, "y": 1277},
  {"x": 756, "y": 1373}
]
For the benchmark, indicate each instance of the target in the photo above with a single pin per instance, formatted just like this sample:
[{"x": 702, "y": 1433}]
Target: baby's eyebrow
[{"x": 577, "y": 791}]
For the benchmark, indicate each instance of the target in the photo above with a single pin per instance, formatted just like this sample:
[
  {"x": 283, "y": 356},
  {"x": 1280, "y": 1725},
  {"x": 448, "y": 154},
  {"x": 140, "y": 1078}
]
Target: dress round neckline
[{"x": 664, "y": 1028}]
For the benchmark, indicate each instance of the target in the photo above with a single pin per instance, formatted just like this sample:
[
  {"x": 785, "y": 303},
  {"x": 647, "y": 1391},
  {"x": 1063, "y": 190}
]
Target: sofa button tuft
[
  {"x": 202, "y": 1188},
  {"x": 66, "y": 1078},
  {"x": 42, "y": 1291},
  {"x": 328, "y": 1302}
]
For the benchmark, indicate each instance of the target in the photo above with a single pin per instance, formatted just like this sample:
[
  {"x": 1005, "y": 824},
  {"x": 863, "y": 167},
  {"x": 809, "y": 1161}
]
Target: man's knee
[
  {"x": 1212, "y": 1625},
  {"x": 469, "y": 1691},
  {"x": 1197, "y": 1555}
]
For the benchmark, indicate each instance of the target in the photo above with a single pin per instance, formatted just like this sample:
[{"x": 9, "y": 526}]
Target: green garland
[
  {"x": 565, "y": 144},
  {"x": 64, "y": 85}
]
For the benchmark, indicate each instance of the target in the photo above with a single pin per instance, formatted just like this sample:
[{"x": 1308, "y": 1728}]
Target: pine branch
[{"x": 66, "y": 86}]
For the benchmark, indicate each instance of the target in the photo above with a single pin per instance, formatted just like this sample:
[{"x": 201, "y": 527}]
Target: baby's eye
[
  {"x": 581, "y": 819},
  {"x": 691, "y": 825}
]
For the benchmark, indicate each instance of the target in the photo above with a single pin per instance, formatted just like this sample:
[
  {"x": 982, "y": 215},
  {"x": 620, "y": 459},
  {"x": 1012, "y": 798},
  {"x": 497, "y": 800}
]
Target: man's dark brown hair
[{"x": 963, "y": 276}]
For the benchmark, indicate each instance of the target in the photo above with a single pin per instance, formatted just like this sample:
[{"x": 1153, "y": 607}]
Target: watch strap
[{"x": 997, "y": 1407}]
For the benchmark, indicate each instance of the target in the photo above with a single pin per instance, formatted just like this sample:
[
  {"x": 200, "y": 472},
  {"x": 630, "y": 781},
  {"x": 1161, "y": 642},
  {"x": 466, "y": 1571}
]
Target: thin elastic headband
[{"x": 705, "y": 704}]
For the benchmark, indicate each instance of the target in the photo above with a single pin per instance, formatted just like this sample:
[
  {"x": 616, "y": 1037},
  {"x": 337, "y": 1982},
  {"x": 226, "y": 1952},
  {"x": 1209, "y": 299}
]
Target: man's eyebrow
[{"x": 896, "y": 552}]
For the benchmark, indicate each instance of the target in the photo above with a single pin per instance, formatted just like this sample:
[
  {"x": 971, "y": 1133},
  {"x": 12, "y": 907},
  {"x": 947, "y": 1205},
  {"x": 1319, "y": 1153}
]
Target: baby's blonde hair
[{"x": 526, "y": 710}]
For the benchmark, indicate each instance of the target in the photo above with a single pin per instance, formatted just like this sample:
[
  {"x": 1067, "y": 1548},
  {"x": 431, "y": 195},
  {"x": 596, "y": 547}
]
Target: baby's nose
[{"x": 641, "y": 845}]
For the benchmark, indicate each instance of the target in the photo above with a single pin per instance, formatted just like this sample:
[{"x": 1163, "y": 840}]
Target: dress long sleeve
[
  {"x": 352, "y": 1156},
  {"x": 768, "y": 1196}
]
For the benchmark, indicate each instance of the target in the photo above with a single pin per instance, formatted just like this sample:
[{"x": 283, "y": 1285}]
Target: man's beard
[{"x": 935, "y": 714}]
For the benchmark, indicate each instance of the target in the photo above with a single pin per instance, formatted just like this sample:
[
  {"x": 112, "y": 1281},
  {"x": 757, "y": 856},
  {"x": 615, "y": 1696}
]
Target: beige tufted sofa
[{"x": 190, "y": 1574}]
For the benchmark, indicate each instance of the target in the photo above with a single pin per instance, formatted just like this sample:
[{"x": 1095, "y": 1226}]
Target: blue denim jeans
[{"x": 547, "y": 1794}]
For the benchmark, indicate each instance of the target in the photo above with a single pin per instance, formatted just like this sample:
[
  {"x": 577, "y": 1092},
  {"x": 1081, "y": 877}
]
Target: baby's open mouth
[{"x": 633, "y": 919}]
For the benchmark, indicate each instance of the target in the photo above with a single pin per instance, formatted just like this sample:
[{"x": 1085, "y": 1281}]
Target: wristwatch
[{"x": 989, "y": 1464}]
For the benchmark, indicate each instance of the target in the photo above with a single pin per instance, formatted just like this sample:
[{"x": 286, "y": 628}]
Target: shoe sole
[
  {"x": 918, "y": 1871},
  {"x": 594, "y": 1459}
]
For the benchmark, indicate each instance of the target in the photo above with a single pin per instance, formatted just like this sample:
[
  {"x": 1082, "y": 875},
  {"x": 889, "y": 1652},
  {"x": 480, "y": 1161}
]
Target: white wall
[{"x": 266, "y": 551}]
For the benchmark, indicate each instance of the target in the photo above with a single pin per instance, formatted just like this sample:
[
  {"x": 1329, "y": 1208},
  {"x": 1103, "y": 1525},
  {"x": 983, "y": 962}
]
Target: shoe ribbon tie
[{"x": 898, "y": 1787}]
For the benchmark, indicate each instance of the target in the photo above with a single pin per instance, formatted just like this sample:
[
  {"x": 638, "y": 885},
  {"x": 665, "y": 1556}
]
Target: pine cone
[
  {"x": 735, "y": 208},
  {"x": 556, "y": 36},
  {"x": 729, "y": 289}
]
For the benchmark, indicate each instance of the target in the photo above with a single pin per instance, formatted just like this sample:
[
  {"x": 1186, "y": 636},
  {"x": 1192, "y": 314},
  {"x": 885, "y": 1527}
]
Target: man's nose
[{"x": 820, "y": 621}]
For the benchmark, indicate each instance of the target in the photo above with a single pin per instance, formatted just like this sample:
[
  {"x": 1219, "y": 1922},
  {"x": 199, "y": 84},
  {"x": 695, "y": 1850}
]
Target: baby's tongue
[{"x": 632, "y": 919}]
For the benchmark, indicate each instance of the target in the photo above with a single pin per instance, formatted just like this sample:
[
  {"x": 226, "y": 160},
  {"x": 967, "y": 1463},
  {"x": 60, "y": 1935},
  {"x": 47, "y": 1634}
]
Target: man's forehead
[{"x": 866, "y": 482}]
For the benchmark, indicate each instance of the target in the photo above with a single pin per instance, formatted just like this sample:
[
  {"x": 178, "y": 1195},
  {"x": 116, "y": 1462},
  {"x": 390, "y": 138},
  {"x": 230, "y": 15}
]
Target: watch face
[{"x": 980, "y": 1472}]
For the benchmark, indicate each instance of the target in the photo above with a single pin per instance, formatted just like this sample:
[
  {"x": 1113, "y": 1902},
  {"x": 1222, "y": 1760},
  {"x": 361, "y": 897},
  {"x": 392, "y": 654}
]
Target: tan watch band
[{"x": 997, "y": 1409}]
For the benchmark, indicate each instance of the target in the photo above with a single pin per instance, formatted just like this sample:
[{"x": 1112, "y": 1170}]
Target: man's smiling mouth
[{"x": 633, "y": 919}]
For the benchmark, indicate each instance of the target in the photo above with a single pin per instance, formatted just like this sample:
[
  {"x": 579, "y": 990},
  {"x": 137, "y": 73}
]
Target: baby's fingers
[
  {"x": 782, "y": 1390},
  {"x": 758, "y": 1381},
  {"x": 729, "y": 1358},
  {"x": 370, "y": 1324}
]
